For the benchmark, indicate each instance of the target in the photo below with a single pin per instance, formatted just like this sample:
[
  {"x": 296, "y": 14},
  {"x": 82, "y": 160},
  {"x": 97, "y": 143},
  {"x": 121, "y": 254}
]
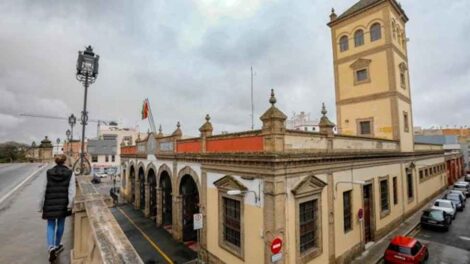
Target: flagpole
[{"x": 151, "y": 121}]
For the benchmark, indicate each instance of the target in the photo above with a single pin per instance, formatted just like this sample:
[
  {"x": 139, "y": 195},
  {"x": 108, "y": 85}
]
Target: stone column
[
  {"x": 331, "y": 218},
  {"x": 159, "y": 216},
  {"x": 274, "y": 212},
  {"x": 147, "y": 200},
  {"x": 274, "y": 127},
  {"x": 137, "y": 195},
  {"x": 206, "y": 131},
  {"x": 177, "y": 225}
]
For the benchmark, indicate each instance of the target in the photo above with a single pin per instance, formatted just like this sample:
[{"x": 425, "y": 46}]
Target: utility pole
[{"x": 252, "y": 105}]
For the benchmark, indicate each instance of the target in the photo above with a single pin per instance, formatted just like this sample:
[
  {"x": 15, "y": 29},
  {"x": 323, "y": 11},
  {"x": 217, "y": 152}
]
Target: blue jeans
[{"x": 55, "y": 230}]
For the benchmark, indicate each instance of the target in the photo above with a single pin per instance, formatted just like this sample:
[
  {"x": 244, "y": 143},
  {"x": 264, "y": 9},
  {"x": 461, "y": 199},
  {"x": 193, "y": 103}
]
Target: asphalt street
[
  {"x": 452, "y": 247},
  {"x": 22, "y": 230},
  {"x": 13, "y": 174}
]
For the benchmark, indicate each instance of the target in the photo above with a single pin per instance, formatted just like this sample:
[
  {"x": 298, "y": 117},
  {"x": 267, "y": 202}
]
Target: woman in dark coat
[{"x": 56, "y": 203}]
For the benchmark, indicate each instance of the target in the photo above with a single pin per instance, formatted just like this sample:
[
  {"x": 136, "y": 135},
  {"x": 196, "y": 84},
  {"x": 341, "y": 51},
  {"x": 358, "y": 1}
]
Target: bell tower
[{"x": 372, "y": 84}]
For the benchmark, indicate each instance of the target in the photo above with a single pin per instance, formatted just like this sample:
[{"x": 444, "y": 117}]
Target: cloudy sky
[{"x": 193, "y": 57}]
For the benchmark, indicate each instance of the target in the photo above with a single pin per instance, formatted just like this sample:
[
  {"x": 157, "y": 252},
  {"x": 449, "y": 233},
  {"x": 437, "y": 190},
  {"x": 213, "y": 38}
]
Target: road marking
[
  {"x": 147, "y": 237},
  {"x": 21, "y": 184},
  {"x": 465, "y": 238}
]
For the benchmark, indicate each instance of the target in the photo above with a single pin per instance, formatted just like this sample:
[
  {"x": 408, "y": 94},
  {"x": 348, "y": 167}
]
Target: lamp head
[{"x": 234, "y": 192}]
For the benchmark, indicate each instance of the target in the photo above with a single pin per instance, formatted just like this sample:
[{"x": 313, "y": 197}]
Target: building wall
[{"x": 253, "y": 223}]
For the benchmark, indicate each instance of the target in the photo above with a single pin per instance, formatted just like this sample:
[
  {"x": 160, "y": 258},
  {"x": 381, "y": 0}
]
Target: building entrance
[
  {"x": 368, "y": 210},
  {"x": 142, "y": 188},
  {"x": 152, "y": 193},
  {"x": 190, "y": 197},
  {"x": 165, "y": 183}
]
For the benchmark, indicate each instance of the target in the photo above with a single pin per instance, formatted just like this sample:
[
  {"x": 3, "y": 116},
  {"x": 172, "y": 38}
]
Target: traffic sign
[
  {"x": 197, "y": 221},
  {"x": 360, "y": 214},
  {"x": 276, "y": 257},
  {"x": 276, "y": 245}
]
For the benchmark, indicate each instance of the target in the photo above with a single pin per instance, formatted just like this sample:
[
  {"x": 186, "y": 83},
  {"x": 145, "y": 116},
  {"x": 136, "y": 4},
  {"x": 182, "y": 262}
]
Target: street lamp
[
  {"x": 238, "y": 192},
  {"x": 87, "y": 72},
  {"x": 58, "y": 145},
  {"x": 72, "y": 122},
  {"x": 68, "y": 133}
]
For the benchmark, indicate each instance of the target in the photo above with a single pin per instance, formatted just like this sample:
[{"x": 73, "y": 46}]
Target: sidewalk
[
  {"x": 375, "y": 253},
  {"x": 150, "y": 242}
]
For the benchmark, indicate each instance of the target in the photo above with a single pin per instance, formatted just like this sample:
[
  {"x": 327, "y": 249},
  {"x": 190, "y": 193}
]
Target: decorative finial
[
  {"x": 323, "y": 110},
  {"x": 178, "y": 125},
  {"x": 208, "y": 118},
  {"x": 333, "y": 15},
  {"x": 272, "y": 100},
  {"x": 160, "y": 128}
]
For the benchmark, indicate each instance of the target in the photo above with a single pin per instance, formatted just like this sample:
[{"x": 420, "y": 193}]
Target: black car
[
  {"x": 436, "y": 218},
  {"x": 456, "y": 200}
]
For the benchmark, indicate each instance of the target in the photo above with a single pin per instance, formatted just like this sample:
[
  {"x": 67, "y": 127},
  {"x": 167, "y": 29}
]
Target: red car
[{"x": 406, "y": 250}]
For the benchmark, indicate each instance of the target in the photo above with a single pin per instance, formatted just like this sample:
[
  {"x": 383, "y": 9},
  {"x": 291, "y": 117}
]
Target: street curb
[{"x": 21, "y": 184}]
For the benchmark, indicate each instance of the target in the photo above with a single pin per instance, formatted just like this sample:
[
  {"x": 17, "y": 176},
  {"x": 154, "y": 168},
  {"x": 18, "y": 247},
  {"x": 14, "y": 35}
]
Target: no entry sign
[{"x": 276, "y": 245}]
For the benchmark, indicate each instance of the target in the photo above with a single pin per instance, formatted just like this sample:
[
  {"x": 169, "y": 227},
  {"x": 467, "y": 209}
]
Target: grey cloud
[{"x": 190, "y": 64}]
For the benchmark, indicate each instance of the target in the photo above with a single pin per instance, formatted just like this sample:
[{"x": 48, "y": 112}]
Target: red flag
[{"x": 145, "y": 109}]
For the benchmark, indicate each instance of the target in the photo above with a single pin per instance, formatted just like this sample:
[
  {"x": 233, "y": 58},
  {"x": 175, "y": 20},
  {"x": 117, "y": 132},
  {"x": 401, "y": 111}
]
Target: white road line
[
  {"x": 465, "y": 238},
  {"x": 21, "y": 184}
]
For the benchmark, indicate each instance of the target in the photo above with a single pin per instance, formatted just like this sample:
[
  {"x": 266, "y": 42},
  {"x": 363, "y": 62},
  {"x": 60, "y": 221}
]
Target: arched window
[
  {"x": 394, "y": 30},
  {"x": 375, "y": 32},
  {"x": 343, "y": 43},
  {"x": 359, "y": 38}
]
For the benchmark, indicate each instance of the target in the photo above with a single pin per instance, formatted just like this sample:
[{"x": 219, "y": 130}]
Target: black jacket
[{"x": 56, "y": 196}]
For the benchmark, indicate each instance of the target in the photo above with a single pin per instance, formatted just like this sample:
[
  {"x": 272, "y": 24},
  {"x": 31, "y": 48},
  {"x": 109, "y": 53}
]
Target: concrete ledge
[{"x": 98, "y": 238}]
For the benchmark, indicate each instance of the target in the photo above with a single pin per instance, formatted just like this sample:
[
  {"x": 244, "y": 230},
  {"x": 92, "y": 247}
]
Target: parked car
[
  {"x": 405, "y": 250},
  {"x": 467, "y": 177},
  {"x": 446, "y": 206},
  {"x": 461, "y": 188},
  {"x": 460, "y": 193},
  {"x": 464, "y": 183},
  {"x": 456, "y": 200},
  {"x": 436, "y": 218}
]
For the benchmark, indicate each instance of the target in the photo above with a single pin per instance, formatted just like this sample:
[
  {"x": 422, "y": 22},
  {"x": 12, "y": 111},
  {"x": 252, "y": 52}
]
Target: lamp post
[
  {"x": 68, "y": 133},
  {"x": 58, "y": 145},
  {"x": 72, "y": 122},
  {"x": 87, "y": 72}
]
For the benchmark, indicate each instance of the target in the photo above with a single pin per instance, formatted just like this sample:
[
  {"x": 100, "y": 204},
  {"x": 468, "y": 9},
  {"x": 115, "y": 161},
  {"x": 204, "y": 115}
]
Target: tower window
[
  {"x": 359, "y": 38},
  {"x": 402, "y": 79},
  {"x": 375, "y": 32},
  {"x": 406, "y": 122},
  {"x": 362, "y": 75},
  {"x": 343, "y": 43},
  {"x": 365, "y": 127}
]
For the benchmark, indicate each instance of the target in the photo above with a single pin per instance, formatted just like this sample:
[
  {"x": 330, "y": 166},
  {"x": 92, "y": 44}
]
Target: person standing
[{"x": 56, "y": 203}]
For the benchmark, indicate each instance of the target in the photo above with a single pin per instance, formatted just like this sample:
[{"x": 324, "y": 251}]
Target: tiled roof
[{"x": 358, "y": 6}]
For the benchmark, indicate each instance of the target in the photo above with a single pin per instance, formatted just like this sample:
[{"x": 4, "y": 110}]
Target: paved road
[
  {"x": 452, "y": 247},
  {"x": 22, "y": 230},
  {"x": 156, "y": 237},
  {"x": 12, "y": 174}
]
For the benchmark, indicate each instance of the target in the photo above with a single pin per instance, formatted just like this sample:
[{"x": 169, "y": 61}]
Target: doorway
[
  {"x": 368, "y": 211},
  {"x": 165, "y": 183},
  {"x": 152, "y": 193},
  {"x": 190, "y": 197},
  {"x": 142, "y": 188}
]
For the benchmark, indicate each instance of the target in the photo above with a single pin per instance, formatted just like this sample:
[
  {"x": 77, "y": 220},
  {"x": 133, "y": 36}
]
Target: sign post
[
  {"x": 197, "y": 225},
  {"x": 276, "y": 246}
]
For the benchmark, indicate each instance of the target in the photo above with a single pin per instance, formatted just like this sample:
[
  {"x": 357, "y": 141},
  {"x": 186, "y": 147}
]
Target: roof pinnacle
[
  {"x": 272, "y": 100},
  {"x": 323, "y": 109}
]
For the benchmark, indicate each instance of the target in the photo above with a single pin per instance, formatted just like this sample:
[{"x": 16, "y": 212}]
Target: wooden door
[{"x": 368, "y": 205}]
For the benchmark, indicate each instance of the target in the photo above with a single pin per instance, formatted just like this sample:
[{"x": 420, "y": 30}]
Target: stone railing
[
  {"x": 97, "y": 236},
  {"x": 310, "y": 141},
  {"x": 427, "y": 147}
]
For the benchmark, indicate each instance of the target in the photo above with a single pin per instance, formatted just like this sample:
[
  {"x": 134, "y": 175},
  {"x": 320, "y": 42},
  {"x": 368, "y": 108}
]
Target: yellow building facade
[
  {"x": 371, "y": 72},
  {"x": 305, "y": 188}
]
